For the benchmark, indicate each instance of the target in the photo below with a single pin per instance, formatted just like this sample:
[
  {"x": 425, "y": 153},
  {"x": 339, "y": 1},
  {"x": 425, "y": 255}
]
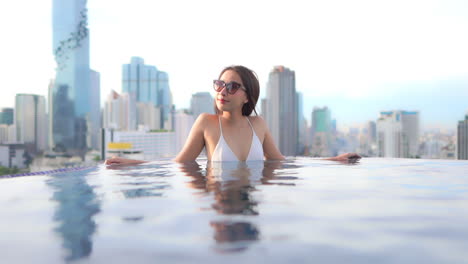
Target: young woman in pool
[{"x": 231, "y": 134}]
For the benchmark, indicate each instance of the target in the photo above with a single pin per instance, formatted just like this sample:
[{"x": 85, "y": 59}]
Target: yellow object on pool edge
[{"x": 119, "y": 145}]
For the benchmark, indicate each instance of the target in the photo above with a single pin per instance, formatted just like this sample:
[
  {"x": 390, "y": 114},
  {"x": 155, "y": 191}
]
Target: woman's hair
[{"x": 251, "y": 85}]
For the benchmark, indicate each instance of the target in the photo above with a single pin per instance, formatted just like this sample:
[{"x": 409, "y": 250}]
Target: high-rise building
[
  {"x": 120, "y": 112},
  {"x": 398, "y": 134},
  {"x": 201, "y": 102},
  {"x": 411, "y": 132},
  {"x": 302, "y": 141},
  {"x": 95, "y": 125},
  {"x": 140, "y": 80},
  {"x": 264, "y": 108},
  {"x": 69, "y": 96},
  {"x": 183, "y": 124},
  {"x": 6, "y": 116},
  {"x": 462, "y": 139},
  {"x": 367, "y": 140},
  {"x": 148, "y": 85},
  {"x": 371, "y": 129},
  {"x": 148, "y": 116},
  {"x": 165, "y": 101},
  {"x": 4, "y": 134},
  {"x": 50, "y": 124},
  {"x": 30, "y": 121},
  {"x": 281, "y": 109},
  {"x": 321, "y": 132}
]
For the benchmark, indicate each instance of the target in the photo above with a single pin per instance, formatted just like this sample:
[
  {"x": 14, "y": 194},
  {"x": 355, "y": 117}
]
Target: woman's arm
[
  {"x": 195, "y": 142},
  {"x": 193, "y": 146},
  {"x": 123, "y": 161},
  {"x": 349, "y": 157},
  {"x": 270, "y": 151}
]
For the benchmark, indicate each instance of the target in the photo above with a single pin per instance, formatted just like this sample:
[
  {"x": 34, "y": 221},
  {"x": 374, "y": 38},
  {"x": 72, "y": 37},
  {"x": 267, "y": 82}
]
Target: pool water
[{"x": 301, "y": 210}]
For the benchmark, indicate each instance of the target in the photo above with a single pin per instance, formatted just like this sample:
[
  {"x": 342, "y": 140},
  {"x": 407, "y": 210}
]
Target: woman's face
[{"x": 231, "y": 102}]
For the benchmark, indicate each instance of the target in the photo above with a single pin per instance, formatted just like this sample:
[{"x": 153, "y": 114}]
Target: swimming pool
[{"x": 301, "y": 210}]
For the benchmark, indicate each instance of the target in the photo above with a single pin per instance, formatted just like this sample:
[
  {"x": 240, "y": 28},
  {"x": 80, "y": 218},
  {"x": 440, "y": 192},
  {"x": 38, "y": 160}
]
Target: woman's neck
[{"x": 231, "y": 117}]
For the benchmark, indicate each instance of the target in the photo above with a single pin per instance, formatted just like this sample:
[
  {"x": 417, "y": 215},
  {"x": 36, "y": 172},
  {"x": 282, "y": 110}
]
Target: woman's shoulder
[
  {"x": 257, "y": 120},
  {"x": 259, "y": 124},
  {"x": 205, "y": 119}
]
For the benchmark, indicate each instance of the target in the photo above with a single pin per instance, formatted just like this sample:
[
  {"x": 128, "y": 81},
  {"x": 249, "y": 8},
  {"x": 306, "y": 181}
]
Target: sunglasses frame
[{"x": 229, "y": 86}]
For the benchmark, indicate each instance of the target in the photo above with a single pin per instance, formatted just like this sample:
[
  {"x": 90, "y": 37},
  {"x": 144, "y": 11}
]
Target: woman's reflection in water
[{"x": 232, "y": 184}]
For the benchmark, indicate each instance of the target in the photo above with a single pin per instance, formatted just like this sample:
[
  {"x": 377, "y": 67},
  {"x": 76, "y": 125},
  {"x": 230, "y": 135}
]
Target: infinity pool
[{"x": 299, "y": 211}]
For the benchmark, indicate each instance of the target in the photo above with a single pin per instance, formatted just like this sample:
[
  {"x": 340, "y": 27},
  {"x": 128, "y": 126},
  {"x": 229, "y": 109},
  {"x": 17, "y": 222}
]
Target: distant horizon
[{"x": 346, "y": 107}]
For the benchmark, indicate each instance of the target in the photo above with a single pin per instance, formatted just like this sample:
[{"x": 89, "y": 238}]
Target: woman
[{"x": 232, "y": 134}]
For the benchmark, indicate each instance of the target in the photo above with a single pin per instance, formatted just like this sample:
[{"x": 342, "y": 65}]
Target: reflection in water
[
  {"x": 77, "y": 204},
  {"x": 143, "y": 192},
  {"x": 133, "y": 219},
  {"x": 236, "y": 235},
  {"x": 232, "y": 184},
  {"x": 144, "y": 182}
]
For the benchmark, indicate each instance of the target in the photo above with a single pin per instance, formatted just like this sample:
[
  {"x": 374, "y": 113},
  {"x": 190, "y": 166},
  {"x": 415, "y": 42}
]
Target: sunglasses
[{"x": 231, "y": 87}]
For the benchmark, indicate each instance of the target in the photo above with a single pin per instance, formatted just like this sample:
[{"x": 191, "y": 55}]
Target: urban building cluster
[{"x": 141, "y": 120}]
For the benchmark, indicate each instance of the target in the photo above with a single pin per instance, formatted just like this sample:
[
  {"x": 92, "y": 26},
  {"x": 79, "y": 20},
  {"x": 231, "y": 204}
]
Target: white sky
[{"x": 356, "y": 51}]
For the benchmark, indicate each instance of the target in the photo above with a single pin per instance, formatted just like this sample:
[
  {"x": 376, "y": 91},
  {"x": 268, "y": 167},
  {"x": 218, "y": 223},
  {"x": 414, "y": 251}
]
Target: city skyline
[{"x": 357, "y": 59}]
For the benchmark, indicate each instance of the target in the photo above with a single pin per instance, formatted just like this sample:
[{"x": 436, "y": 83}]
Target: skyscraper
[
  {"x": 148, "y": 85},
  {"x": 398, "y": 134},
  {"x": 201, "y": 102},
  {"x": 140, "y": 80},
  {"x": 371, "y": 131},
  {"x": 367, "y": 140},
  {"x": 69, "y": 96},
  {"x": 302, "y": 141},
  {"x": 120, "y": 112},
  {"x": 165, "y": 100},
  {"x": 6, "y": 116},
  {"x": 462, "y": 139},
  {"x": 183, "y": 124},
  {"x": 94, "y": 126},
  {"x": 264, "y": 108},
  {"x": 321, "y": 132},
  {"x": 281, "y": 109},
  {"x": 148, "y": 116},
  {"x": 30, "y": 120}
]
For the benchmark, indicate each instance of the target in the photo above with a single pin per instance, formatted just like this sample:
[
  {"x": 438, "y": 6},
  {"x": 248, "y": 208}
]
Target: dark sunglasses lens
[
  {"x": 232, "y": 87},
  {"x": 218, "y": 85}
]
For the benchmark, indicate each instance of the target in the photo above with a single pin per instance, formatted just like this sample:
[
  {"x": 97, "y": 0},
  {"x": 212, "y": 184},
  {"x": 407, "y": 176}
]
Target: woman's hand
[
  {"x": 348, "y": 157},
  {"x": 122, "y": 161}
]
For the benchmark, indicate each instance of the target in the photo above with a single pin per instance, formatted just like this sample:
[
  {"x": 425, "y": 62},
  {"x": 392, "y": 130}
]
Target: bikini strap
[
  {"x": 250, "y": 123},
  {"x": 220, "y": 127}
]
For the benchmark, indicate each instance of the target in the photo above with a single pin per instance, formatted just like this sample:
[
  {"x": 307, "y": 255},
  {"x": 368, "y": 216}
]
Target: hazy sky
[{"x": 357, "y": 57}]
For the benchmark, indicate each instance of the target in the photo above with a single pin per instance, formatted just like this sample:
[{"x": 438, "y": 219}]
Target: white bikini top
[{"x": 223, "y": 152}]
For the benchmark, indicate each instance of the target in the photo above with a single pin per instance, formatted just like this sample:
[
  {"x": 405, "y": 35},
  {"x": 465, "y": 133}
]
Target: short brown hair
[{"x": 252, "y": 88}]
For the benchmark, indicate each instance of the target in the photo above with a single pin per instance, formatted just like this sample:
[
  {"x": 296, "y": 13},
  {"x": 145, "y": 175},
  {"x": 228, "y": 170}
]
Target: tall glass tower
[
  {"x": 70, "y": 106},
  {"x": 281, "y": 109},
  {"x": 321, "y": 132},
  {"x": 148, "y": 85}
]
